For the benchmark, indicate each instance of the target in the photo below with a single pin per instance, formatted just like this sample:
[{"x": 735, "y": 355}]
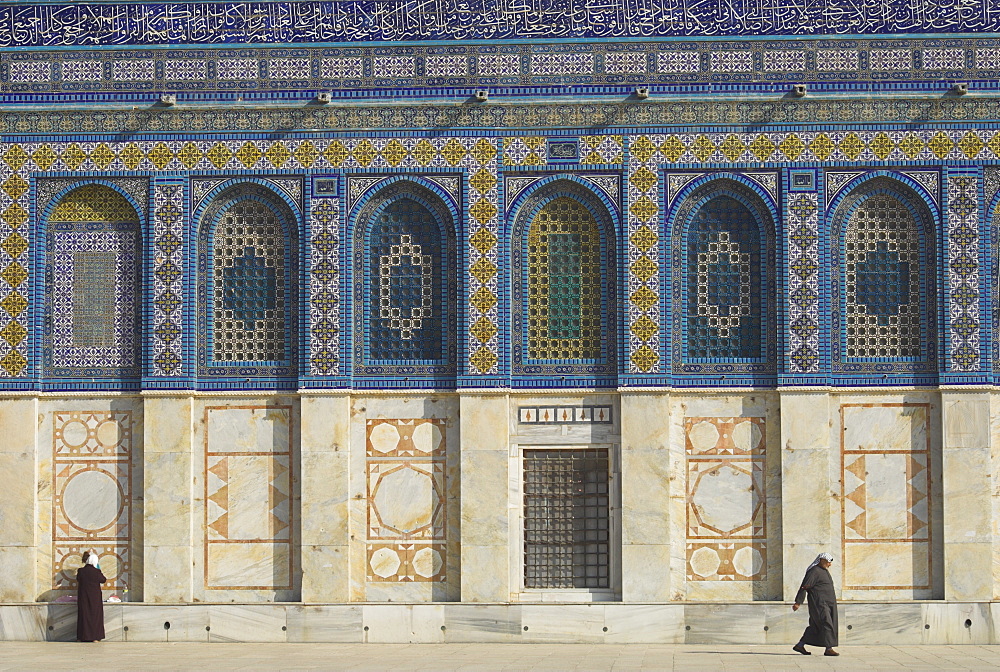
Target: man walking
[{"x": 818, "y": 585}]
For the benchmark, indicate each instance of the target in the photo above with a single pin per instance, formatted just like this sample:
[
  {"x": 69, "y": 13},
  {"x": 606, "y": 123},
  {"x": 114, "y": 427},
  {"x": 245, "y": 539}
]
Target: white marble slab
[
  {"x": 948, "y": 623},
  {"x": 724, "y": 624},
  {"x": 247, "y": 623},
  {"x": 60, "y": 622},
  {"x": 644, "y": 623},
  {"x": 22, "y": 623},
  {"x": 386, "y": 623},
  {"x": 878, "y": 623},
  {"x": 545, "y": 623},
  {"x": 325, "y": 623},
  {"x": 482, "y": 623}
]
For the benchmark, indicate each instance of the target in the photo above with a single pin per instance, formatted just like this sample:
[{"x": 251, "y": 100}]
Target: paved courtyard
[{"x": 188, "y": 656}]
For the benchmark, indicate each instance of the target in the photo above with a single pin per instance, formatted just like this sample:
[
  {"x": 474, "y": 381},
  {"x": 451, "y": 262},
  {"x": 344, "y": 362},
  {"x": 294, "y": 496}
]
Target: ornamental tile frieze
[
  {"x": 351, "y": 68},
  {"x": 169, "y": 23},
  {"x": 494, "y": 116}
]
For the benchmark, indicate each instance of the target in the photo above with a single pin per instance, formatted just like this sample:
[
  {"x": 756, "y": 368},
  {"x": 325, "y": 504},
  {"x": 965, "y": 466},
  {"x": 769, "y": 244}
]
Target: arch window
[
  {"x": 725, "y": 301},
  {"x": 564, "y": 282},
  {"x": 248, "y": 292},
  {"x": 92, "y": 285},
  {"x": 882, "y": 265},
  {"x": 405, "y": 256},
  {"x": 884, "y": 286},
  {"x": 406, "y": 313}
]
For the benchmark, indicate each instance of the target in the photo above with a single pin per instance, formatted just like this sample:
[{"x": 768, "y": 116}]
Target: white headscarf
[
  {"x": 821, "y": 556},
  {"x": 92, "y": 559}
]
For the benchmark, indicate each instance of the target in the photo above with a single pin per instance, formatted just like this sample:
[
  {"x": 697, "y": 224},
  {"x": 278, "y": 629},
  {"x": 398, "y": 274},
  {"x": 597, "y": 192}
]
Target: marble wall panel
[
  {"x": 406, "y": 500},
  {"x": 92, "y": 495},
  {"x": 885, "y": 504},
  {"x": 248, "y": 508},
  {"x": 726, "y": 503}
]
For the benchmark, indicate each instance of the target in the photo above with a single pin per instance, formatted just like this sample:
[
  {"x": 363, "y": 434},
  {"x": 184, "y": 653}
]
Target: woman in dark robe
[
  {"x": 818, "y": 585},
  {"x": 89, "y": 600}
]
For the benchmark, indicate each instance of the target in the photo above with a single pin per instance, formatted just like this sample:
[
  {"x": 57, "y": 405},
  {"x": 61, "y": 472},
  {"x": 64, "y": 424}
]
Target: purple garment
[{"x": 89, "y": 604}]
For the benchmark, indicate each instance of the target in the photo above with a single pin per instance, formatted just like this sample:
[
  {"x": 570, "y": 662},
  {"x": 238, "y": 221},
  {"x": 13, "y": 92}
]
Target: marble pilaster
[
  {"x": 645, "y": 489},
  {"x": 18, "y": 503},
  {"x": 807, "y": 486},
  {"x": 168, "y": 540},
  {"x": 484, "y": 502},
  {"x": 324, "y": 479},
  {"x": 967, "y": 490}
]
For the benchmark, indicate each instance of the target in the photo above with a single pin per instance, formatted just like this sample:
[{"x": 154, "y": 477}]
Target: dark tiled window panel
[
  {"x": 883, "y": 280},
  {"x": 725, "y": 315},
  {"x": 407, "y": 302},
  {"x": 250, "y": 299},
  {"x": 566, "y": 519}
]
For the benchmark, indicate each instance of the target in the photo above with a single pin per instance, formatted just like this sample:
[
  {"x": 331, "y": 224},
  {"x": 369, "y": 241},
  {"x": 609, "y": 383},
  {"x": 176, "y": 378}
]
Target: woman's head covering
[
  {"x": 822, "y": 556},
  {"x": 91, "y": 559}
]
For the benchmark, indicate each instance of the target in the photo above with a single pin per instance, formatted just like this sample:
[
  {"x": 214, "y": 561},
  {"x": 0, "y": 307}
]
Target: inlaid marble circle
[
  {"x": 74, "y": 433},
  {"x": 384, "y": 562},
  {"x": 747, "y": 561},
  {"x": 427, "y": 562},
  {"x": 426, "y": 437},
  {"x": 704, "y": 436},
  {"x": 405, "y": 499},
  {"x": 109, "y": 565},
  {"x": 746, "y": 436},
  {"x": 91, "y": 500},
  {"x": 705, "y": 562},
  {"x": 384, "y": 437},
  {"x": 107, "y": 433}
]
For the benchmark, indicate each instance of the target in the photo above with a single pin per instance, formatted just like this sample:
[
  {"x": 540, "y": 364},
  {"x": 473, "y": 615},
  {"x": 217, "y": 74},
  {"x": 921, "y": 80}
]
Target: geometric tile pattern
[
  {"x": 248, "y": 508},
  {"x": 324, "y": 274},
  {"x": 93, "y": 300},
  {"x": 802, "y": 238},
  {"x": 249, "y": 308},
  {"x": 882, "y": 253},
  {"x": 726, "y": 517},
  {"x": 602, "y": 149},
  {"x": 196, "y": 69},
  {"x": 963, "y": 271},
  {"x": 886, "y": 476},
  {"x": 564, "y": 282},
  {"x": 92, "y": 495},
  {"x": 168, "y": 277},
  {"x": 405, "y": 264},
  {"x": 406, "y": 505},
  {"x": 724, "y": 307},
  {"x": 644, "y": 221}
]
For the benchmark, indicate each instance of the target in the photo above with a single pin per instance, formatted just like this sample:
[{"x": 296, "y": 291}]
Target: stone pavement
[{"x": 695, "y": 657}]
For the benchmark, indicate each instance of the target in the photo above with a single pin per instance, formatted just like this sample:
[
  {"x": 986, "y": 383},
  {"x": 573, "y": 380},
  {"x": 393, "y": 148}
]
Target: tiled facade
[{"x": 299, "y": 306}]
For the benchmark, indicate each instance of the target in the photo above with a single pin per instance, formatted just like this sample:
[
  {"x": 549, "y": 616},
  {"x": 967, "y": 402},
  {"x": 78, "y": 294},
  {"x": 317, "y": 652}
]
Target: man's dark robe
[
  {"x": 89, "y": 604},
  {"x": 822, "y": 630}
]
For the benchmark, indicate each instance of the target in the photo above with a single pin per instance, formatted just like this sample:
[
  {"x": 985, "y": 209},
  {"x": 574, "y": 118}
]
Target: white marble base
[{"x": 861, "y": 623}]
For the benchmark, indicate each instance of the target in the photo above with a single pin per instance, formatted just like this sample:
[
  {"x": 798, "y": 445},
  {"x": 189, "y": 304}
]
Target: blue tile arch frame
[
  {"x": 524, "y": 372},
  {"x": 923, "y": 370},
  {"x": 760, "y": 371},
  {"x": 94, "y": 378},
  {"x": 381, "y": 194},
  {"x": 281, "y": 374}
]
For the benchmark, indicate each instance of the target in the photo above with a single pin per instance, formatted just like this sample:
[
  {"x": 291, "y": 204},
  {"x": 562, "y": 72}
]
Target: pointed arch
[
  {"x": 563, "y": 280},
  {"x": 885, "y": 306},
  {"x": 723, "y": 306},
  {"x": 93, "y": 260},
  {"x": 248, "y": 268},
  {"x": 405, "y": 256}
]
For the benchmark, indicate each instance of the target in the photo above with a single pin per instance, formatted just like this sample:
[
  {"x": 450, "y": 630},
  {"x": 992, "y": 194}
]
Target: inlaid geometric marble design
[
  {"x": 885, "y": 508},
  {"x": 248, "y": 508},
  {"x": 407, "y": 527},
  {"x": 92, "y": 495},
  {"x": 726, "y": 520}
]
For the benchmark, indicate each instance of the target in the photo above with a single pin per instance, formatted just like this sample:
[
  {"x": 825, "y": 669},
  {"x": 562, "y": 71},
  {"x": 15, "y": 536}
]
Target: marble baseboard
[{"x": 861, "y": 623}]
